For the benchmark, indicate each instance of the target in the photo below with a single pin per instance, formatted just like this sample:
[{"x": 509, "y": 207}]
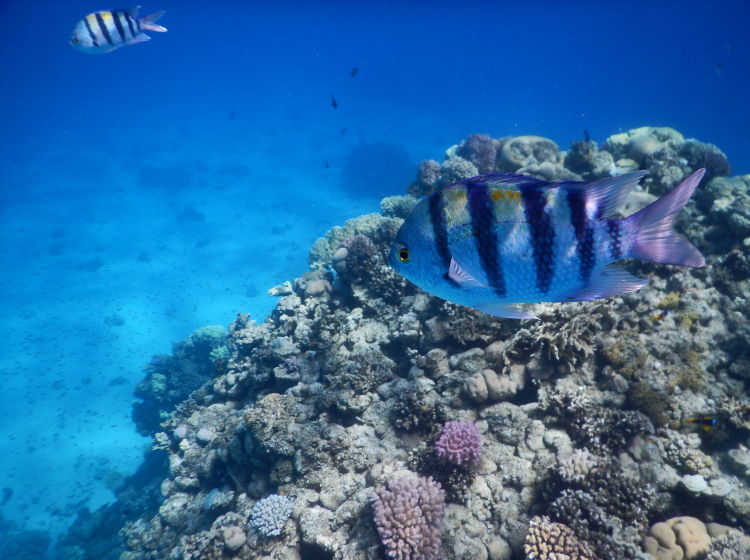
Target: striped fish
[
  {"x": 107, "y": 30},
  {"x": 494, "y": 241}
]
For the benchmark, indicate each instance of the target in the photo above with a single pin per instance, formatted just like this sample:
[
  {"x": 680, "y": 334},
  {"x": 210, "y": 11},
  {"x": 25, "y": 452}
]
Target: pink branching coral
[
  {"x": 409, "y": 513},
  {"x": 460, "y": 443}
]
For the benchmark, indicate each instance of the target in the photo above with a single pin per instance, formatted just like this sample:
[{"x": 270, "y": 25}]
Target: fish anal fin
[
  {"x": 461, "y": 277},
  {"x": 140, "y": 38},
  {"x": 607, "y": 281},
  {"x": 505, "y": 310}
]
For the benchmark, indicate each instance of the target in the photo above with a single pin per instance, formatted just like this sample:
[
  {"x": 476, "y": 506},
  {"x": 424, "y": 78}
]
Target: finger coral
[
  {"x": 460, "y": 443},
  {"x": 547, "y": 540},
  {"x": 408, "y": 513}
]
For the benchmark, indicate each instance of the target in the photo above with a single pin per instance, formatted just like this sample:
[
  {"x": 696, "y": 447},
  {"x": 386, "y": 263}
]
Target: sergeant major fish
[
  {"x": 494, "y": 241},
  {"x": 104, "y": 31}
]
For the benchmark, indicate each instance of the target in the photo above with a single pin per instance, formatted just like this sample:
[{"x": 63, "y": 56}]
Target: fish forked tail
[
  {"x": 652, "y": 226},
  {"x": 147, "y": 22}
]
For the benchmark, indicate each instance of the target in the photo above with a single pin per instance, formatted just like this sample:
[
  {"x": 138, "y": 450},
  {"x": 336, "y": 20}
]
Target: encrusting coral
[{"x": 351, "y": 378}]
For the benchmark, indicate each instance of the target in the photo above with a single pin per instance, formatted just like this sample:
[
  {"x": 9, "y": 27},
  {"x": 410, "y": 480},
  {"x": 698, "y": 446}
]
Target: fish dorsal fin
[
  {"x": 505, "y": 310},
  {"x": 461, "y": 277},
  {"x": 134, "y": 11},
  {"x": 501, "y": 180},
  {"x": 606, "y": 195}
]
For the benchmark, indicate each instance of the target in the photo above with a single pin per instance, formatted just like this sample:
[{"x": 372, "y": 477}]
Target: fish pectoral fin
[
  {"x": 607, "y": 281},
  {"x": 505, "y": 310},
  {"x": 461, "y": 277}
]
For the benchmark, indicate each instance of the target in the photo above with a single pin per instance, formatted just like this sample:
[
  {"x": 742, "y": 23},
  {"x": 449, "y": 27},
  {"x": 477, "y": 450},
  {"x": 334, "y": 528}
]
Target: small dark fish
[
  {"x": 586, "y": 136},
  {"x": 334, "y": 103},
  {"x": 718, "y": 68},
  {"x": 705, "y": 422},
  {"x": 659, "y": 317},
  {"x": 354, "y": 71},
  {"x": 326, "y": 164}
]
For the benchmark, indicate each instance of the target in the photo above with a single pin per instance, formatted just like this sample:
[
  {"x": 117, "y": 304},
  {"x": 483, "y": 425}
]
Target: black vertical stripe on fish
[
  {"x": 440, "y": 230},
  {"x": 103, "y": 29},
  {"x": 118, "y": 24},
  {"x": 613, "y": 229},
  {"x": 541, "y": 235},
  {"x": 91, "y": 32},
  {"x": 484, "y": 230},
  {"x": 130, "y": 21},
  {"x": 584, "y": 232}
]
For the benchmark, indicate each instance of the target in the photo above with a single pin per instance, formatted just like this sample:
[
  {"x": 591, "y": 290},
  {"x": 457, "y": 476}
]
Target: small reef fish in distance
[
  {"x": 107, "y": 30},
  {"x": 494, "y": 241},
  {"x": 334, "y": 103},
  {"x": 705, "y": 422}
]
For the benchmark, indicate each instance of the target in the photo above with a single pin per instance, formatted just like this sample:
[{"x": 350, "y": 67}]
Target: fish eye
[
  {"x": 403, "y": 255},
  {"x": 76, "y": 40}
]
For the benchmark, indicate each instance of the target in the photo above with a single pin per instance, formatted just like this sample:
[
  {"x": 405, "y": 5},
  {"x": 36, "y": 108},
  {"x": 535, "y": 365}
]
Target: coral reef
[
  {"x": 170, "y": 379},
  {"x": 583, "y": 417}
]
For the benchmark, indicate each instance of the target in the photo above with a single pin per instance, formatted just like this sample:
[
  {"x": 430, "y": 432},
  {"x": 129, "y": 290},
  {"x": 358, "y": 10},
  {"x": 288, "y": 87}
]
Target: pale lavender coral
[
  {"x": 460, "y": 443},
  {"x": 269, "y": 514},
  {"x": 408, "y": 514}
]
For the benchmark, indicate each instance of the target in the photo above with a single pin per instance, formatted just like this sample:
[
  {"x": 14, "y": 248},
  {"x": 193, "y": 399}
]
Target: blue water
[{"x": 168, "y": 185}]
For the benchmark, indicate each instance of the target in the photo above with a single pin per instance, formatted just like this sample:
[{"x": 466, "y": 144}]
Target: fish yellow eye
[{"x": 403, "y": 255}]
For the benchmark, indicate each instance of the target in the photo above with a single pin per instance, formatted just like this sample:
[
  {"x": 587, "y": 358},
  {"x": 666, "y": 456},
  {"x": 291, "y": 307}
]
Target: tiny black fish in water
[
  {"x": 326, "y": 164},
  {"x": 705, "y": 422},
  {"x": 354, "y": 71},
  {"x": 586, "y": 137},
  {"x": 334, "y": 104}
]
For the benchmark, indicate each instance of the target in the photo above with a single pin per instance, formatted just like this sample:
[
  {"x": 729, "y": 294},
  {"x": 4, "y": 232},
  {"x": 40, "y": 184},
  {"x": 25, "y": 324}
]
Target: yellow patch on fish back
[
  {"x": 456, "y": 208},
  {"x": 106, "y": 15},
  {"x": 505, "y": 195}
]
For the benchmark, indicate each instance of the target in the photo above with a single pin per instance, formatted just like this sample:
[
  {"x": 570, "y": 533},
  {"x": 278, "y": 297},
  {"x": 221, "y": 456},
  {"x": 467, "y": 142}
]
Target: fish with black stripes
[
  {"x": 495, "y": 241},
  {"x": 104, "y": 31}
]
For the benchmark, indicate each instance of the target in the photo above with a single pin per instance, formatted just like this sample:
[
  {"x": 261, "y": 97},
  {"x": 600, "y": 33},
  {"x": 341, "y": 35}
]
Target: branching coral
[{"x": 408, "y": 514}]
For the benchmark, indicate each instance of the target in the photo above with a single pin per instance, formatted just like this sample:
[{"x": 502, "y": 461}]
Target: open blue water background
[{"x": 168, "y": 185}]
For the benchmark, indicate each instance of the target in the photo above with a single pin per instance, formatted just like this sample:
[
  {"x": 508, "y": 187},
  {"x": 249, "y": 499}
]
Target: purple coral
[
  {"x": 481, "y": 150},
  {"x": 409, "y": 513},
  {"x": 460, "y": 443}
]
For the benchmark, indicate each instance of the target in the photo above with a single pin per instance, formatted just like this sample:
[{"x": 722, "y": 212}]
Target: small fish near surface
[
  {"x": 494, "y": 241},
  {"x": 107, "y": 30}
]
